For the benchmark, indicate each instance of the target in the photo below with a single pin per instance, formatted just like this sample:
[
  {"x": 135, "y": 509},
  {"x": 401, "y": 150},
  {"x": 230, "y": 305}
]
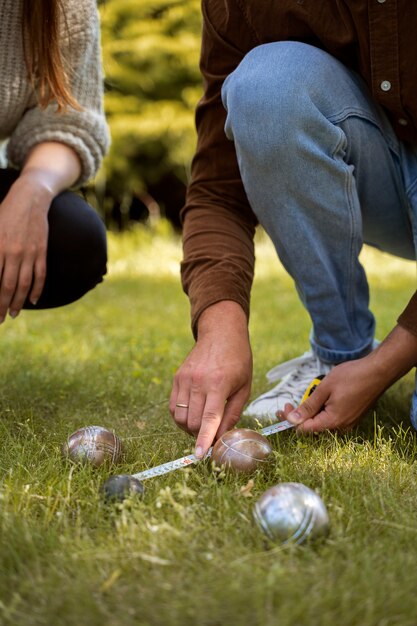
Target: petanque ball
[
  {"x": 241, "y": 449},
  {"x": 93, "y": 445},
  {"x": 291, "y": 512},
  {"x": 118, "y": 488}
]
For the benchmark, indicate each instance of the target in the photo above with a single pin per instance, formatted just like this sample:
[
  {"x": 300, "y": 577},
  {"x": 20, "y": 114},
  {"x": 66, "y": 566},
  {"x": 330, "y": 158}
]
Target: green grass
[{"x": 189, "y": 553}]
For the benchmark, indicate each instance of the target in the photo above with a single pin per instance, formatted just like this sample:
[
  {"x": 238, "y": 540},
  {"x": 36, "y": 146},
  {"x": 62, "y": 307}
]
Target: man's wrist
[
  {"x": 396, "y": 355},
  {"x": 226, "y": 315}
]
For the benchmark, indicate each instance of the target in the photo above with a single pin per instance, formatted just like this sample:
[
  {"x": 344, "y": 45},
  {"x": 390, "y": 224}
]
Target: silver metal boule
[
  {"x": 93, "y": 445},
  {"x": 291, "y": 512}
]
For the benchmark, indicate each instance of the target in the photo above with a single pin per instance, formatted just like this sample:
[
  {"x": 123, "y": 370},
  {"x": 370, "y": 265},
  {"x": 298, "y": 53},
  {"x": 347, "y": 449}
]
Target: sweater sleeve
[
  {"x": 218, "y": 223},
  {"x": 86, "y": 130},
  {"x": 408, "y": 318}
]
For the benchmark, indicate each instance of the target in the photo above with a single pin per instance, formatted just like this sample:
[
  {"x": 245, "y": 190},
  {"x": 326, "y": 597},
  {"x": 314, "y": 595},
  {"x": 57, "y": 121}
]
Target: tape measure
[
  {"x": 159, "y": 470},
  {"x": 165, "y": 468},
  {"x": 312, "y": 386}
]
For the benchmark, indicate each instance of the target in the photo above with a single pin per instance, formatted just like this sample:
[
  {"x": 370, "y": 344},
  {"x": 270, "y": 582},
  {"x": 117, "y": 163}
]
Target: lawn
[{"x": 189, "y": 553}]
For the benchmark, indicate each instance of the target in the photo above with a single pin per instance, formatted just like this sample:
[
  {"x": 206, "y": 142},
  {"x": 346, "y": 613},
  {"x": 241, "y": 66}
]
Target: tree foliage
[{"x": 150, "y": 58}]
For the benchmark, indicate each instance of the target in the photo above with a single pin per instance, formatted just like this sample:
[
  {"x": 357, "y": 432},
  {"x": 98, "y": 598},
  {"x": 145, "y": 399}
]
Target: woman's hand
[
  {"x": 50, "y": 168},
  {"x": 23, "y": 243}
]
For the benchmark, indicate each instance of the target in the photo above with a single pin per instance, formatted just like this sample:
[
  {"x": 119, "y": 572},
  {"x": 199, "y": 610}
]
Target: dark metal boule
[{"x": 118, "y": 488}]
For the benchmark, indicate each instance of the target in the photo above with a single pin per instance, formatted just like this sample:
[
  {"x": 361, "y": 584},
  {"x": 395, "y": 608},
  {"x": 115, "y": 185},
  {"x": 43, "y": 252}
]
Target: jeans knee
[
  {"x": 267, "y": 96},
  {"x": 276, "y": 92}
]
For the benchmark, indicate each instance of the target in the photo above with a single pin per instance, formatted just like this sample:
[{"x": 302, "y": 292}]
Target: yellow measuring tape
[{"x": 312, "y": 386}]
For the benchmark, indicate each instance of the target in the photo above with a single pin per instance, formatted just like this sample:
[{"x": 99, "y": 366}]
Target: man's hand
[
  {"x": 214, "y": 380},
  {"x": 341, "y": 399},
  {"x": 351, "y": 388}
]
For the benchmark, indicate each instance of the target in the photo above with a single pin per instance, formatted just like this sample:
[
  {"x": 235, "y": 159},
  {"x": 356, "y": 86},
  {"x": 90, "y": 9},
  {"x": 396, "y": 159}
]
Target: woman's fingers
[
  {"x": 8, "y": 284},
  {"x": 39, "y": 277},
  {"x": 18, "y": 279},
  {"x": 24, "y": 282}
]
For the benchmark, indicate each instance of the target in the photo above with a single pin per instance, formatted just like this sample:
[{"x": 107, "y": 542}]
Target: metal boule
[
  {"x": 93, "y": 445},
  {"x": 241, "y": 449},
  {"x": 291, "y": 512},
  {"x": 118, "y": 488}
]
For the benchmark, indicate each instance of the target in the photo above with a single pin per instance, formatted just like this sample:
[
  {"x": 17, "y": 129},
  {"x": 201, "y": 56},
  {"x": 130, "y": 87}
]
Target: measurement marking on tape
[{"x": 165, "y": 468}]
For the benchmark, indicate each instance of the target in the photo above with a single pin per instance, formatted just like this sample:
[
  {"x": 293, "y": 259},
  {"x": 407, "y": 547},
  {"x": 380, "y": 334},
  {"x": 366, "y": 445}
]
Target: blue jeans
[{"x": 324, "y": 172}]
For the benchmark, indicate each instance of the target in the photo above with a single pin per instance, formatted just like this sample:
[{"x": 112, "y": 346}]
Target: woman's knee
[{"x": 77, "y": 244}]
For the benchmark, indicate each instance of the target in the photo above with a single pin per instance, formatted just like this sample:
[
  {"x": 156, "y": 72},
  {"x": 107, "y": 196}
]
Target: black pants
[{"x": 77, "y": 247}]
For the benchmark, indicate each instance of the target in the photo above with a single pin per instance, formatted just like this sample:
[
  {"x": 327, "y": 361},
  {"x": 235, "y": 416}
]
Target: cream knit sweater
[{"x": 22, "y": 121}]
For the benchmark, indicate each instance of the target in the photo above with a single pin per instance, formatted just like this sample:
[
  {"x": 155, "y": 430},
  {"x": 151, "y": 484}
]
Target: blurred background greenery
[{"x": 152, "y": 82}]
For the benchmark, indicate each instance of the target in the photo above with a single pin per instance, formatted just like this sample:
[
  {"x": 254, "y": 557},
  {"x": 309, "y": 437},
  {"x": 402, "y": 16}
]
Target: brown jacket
[{"x": 376, "y": 38}]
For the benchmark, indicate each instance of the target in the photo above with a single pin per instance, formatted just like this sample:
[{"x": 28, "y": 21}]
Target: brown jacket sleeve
[
  {"x": 218, "y": 223},
  {"x": 408, "y": 318}
]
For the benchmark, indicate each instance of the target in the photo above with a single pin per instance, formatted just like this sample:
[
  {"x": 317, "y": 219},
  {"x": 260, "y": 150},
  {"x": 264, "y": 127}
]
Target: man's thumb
[{"x": 308, "y": 408}]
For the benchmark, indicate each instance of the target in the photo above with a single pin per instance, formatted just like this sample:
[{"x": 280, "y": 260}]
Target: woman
[{"x": 52, "y": 244}]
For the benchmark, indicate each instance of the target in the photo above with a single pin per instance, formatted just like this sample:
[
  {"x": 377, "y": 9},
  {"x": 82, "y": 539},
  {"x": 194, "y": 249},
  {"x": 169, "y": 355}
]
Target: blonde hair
[{"x": 41, "y": 21}]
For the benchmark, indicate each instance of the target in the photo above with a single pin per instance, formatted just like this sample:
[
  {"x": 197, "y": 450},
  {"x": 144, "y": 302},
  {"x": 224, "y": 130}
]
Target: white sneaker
[{"x": 295, "y": 376}]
